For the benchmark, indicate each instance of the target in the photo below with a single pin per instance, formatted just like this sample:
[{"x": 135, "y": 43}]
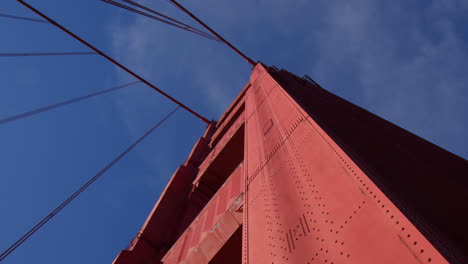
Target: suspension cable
[
  {"x": 159, "y": 14},
  {"x": 67, "y": 102},
  {"x": 23, "y": 18},
  {"x": 167, "y": 17},
  {"x": 249, "y": 60},
  {"x": 184, "y": 27},
  {"x": 45, "y": 54},
  {"x": 115, "y": 62},
  {"x": 54, "y": 212}
]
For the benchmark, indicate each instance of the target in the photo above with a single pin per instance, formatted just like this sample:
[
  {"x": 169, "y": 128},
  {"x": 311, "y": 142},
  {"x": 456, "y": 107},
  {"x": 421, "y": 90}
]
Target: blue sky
[{"x": 406, "y": 61}]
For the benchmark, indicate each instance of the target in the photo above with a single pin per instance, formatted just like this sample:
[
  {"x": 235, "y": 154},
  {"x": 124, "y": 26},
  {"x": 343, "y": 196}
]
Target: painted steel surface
[
  {"x": 306, "y": 201},
  {"x": 212, "y": 227},
  {"x": 427, "y": 183},
  {"x": 311, "y": 187}
]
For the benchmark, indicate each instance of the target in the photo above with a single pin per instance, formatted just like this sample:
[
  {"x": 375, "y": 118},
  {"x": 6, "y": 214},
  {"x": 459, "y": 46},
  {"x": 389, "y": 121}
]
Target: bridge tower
[{"x": 294, "y": 174}]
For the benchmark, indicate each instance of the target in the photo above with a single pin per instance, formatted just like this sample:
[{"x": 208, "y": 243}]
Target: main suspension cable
[
  {"x": 24, "y": 18},
  {"x": 54, "y": 212},
  {"x": 249, "y": 60},
  {"x": 159, "y": 14},
  {"x": 115, "y": 62},
  {"x": 167, "y": 17},
  {"x": 181, "y": 26},
  {"x": 67, "y": 102},
  {"x": 46, "y": 54}
]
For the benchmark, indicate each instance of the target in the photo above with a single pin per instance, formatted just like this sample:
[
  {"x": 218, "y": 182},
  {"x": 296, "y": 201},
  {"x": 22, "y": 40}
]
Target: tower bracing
[{"x": 292, "y": 173}]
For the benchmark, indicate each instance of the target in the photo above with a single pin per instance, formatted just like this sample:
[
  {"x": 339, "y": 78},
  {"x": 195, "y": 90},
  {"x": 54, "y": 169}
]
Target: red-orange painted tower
[{"x": 294, "y": 174}]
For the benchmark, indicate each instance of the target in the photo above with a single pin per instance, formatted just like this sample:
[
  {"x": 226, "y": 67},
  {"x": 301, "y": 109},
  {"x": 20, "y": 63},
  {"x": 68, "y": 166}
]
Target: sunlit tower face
[{"x": 292, "y": 173}]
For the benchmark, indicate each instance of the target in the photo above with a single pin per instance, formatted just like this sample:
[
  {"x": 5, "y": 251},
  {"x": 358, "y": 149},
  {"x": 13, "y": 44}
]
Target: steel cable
[
  {"x": 67, "y": 102},
  {"x": 190, "y": 29},
  {"x": 249, "y": 60},
  {"x": 204, "y": 119},
  {"x": 54, "y": 212},
  {"x": 164, "y": 16},
  {"x": 45, "y": 54},
  {"x": 23, "y": 18}
]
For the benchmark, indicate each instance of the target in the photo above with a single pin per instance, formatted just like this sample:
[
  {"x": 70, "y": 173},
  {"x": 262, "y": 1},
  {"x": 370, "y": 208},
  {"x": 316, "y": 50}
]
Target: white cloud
[
  {"x": 406, "y": 75},
  {"x": 404, "y": 63}
]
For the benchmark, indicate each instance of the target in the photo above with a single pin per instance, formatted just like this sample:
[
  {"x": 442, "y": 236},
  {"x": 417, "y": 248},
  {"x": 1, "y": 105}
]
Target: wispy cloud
[
  {"x": 408, "y": 66},
  {"x": 403, "y": 61}
]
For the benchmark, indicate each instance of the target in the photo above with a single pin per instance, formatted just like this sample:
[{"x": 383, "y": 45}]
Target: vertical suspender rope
[
  {"x": 27, "y": 54},
  {"x": 115, "y": 62},
  {"x": 54, "y": 212},
  {"x": 249, "y": 60},
  {"x": 63, "y": 103},
  {"x": 160, "y": 17},
  {"x": 23, "y": 18}
]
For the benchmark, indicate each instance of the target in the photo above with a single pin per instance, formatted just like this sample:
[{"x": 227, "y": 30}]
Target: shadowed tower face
[{"x": 294, "y": 174}]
